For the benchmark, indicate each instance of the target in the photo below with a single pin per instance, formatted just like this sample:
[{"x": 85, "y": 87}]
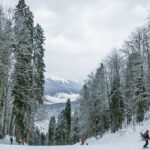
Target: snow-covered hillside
[
  {"x": 46, "y": 111},
  {"x": 57, "y": 91},
  {"x": 125, "y": 139}
]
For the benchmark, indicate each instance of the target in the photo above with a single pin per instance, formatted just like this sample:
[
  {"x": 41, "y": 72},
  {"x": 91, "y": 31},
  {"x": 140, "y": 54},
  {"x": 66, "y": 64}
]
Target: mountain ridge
[{"x": 54, "y": 86}]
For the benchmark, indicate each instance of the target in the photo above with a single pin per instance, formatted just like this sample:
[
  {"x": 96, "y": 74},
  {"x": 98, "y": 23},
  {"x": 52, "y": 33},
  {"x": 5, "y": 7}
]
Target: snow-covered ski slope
[{"x": 125, "y": 139}]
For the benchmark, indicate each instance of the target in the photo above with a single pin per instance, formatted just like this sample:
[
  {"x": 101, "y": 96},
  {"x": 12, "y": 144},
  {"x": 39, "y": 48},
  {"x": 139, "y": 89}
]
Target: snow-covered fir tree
[
  {"x": 116, "y": 99},
  {"x": 22, "y": 78},
  {"x": 87, "y": 128},
  {"x": 101, "y": 101},
  {"x": 38, "y": 64},
  {"x": 68, "y": 121},
  {"x": 60, "y": 129},
  {"x": 75, "y": 128},
  {"x": 59, "y": 132},
  {"x": 51, "y": 131},
  {"x": 6, "y": 49},
  {"x": 22, "y": 72}
]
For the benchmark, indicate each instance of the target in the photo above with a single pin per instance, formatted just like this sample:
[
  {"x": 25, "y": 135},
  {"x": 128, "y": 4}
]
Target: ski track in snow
[
  {"x": 109, "y": 142},
  {"x": 125, "y": 139},
  {"x": 89, "y": 147}
]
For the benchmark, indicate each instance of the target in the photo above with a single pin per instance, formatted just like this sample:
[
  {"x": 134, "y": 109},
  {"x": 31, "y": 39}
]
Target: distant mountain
[
  {"x": 53, "y": 87},
  {"x": 56, "y": 94},
  {"x": 47, "y": 110}
]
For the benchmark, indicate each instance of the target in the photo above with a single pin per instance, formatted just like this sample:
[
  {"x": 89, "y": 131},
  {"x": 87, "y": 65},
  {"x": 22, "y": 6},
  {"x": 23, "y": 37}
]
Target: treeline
[
  {"x": 21, "y": 71},
  {"x": 118, "y": 93},
  {"x": 59, "y": 131},
  {"x": 62, "y": 130}
]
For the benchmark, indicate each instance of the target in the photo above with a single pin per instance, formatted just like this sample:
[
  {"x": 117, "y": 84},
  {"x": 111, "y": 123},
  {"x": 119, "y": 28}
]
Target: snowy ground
[
  {"x": 114, "y": 146},
  {"x": 127, "y": 139}
]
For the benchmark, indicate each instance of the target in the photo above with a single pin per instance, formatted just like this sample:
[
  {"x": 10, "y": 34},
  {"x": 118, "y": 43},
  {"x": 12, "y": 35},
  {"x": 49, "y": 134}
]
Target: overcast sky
[{"x": 80, "y": 33}]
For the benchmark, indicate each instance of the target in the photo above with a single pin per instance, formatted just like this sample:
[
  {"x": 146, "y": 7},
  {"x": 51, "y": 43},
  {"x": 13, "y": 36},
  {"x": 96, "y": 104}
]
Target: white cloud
[
  {"x": 80, "y": 33},
  {"x": 61, "y": 98},
  {"x": 43, "y": 13}
]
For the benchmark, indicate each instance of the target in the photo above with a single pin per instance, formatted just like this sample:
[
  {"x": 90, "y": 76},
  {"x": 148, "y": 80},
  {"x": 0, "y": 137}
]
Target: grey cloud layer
[{"x": 80, "y": 33}]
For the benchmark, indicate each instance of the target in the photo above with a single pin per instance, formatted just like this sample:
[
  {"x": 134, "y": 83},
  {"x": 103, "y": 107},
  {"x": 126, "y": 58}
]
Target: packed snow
[{"x": 125, "y": 139}]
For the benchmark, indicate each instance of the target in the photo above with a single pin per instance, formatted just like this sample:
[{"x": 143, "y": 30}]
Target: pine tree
[
  {"x": 100, "y": 99},
  {"x": 21, "y": 54},
  {"x": 68, "y": 121},
  {"x": 87, "y": 109},
  {"x": 75, "y": 128},
  {"x": 51, "y": 131},
  {"x": 116, "y": 101},
  {"x": 86, "y": 126},
  {"x": 116, "y": 106},
  {"x": 135, "y": 87},
  {"x": 7, "y": 64},
  {"x": 60, "y": 137},
  {"x": 38, "y": 63},
  {"x": 137, "y": 74},
  {"x": 6, "y": 44},
  {"x": 2, "y": 72},
  {"x": 22, "y": 116}
]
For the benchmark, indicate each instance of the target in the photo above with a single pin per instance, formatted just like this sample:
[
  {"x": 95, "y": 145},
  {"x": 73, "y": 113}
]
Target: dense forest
[
  {"x": 117, "y": 94},
  {"x": 21, "y": 71}
]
